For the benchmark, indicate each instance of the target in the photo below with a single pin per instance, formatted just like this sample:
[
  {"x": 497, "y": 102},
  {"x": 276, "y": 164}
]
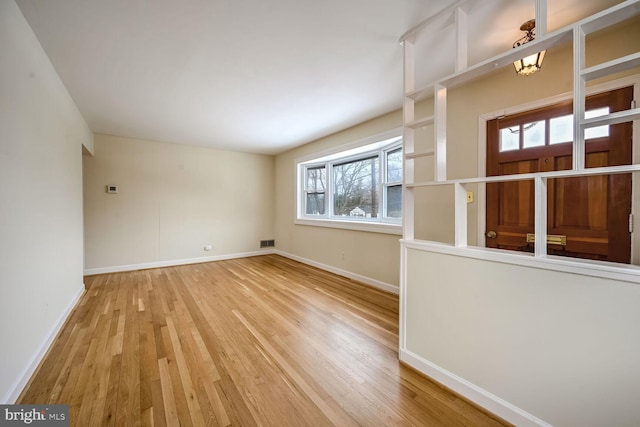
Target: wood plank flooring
[{"x": 262, "y": 341}]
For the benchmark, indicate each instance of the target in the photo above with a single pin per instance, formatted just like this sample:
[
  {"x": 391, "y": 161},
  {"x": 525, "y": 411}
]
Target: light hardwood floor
[{"x": 261, "y": 341}]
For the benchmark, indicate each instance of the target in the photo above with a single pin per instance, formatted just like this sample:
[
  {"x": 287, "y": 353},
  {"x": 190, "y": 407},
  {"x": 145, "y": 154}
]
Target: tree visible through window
[
  {"x": 316, "y": 185},
  {"x": 355, "y": 188}
]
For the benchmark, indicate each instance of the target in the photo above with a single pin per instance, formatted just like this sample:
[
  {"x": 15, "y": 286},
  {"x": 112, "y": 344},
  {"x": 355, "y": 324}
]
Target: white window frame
[
  {"x": 378, "y": 145},
  {"x": 385, "y": 184}
]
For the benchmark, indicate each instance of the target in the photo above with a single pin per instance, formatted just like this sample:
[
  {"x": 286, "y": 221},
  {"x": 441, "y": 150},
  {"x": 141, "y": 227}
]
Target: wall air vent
[{"x": 267, "y": 243}]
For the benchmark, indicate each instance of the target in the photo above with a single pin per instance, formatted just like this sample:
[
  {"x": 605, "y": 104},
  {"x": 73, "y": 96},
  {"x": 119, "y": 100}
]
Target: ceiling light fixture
[{"x": 532, "y": 63}]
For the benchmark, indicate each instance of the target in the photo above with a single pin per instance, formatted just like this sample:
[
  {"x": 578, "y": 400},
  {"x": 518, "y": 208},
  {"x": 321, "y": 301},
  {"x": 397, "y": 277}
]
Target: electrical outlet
[{"x": 469, "y": 196}]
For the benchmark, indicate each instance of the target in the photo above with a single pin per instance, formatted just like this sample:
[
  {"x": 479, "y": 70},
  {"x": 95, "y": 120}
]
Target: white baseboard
[
  {"x": 172, "y": 263},
  {"x": 353, "y": 276},
  {"x": 14, "y": 392},
  {"x": 479, "y": 396}
]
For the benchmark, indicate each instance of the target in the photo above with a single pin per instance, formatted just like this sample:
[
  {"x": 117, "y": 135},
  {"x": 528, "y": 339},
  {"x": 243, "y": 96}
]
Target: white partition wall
[{"x": 532, "y": 345}]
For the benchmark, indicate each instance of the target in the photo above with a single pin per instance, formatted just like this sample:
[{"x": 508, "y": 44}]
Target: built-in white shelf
[
  {"x": 564, "y": 35},
  {"x": 612, "y": 119},
  {"x": 574, "y": 36},
  {"x": 420, "y": 123},
  {"x": 609, "y": 170},
  {"x": 594, "y": 23},
  {"x": 612, "y": 16},
  {"x": 422, "y": 93},
  {"x": 607, "y": 68},
  {"x": 418, "y": 154}
]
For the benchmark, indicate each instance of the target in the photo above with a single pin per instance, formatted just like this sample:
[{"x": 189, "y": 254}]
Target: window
[
  {"x": 315, "y": 189},
  {"x": 560, "y": 131},
  {"x": 361, "y": 185},
  {"x": 393, "y": 185},
  {"x": 355, "y": 188}
]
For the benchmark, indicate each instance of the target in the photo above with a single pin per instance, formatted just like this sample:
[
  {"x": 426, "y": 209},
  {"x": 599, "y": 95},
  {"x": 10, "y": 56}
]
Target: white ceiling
[{"x": 257, "y": 75}]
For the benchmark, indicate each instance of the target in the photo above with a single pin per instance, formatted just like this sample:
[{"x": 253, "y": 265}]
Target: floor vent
[{"x": 267, "y": 243}]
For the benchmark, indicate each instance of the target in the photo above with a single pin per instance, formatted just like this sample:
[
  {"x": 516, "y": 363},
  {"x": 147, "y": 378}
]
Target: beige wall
[
  {"x": 173, "y": 199},
  {"x": 372, "y": 255},
  {"x": 41, "y": 138}
]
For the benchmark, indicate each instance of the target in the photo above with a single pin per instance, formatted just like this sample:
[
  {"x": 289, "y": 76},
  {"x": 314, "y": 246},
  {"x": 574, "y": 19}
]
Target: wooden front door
[{"x": 592, "y": 212}]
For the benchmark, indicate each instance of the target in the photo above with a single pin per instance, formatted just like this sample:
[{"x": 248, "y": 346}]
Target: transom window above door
[{"x": 549, "y": 131}]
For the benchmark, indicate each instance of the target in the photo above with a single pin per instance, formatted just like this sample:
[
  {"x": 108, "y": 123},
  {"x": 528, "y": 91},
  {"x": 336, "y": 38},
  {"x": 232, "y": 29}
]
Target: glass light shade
[{"x": 530, "y": 64}]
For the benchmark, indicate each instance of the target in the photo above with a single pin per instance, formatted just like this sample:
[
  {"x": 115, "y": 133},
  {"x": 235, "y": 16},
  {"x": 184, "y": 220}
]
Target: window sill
[{"x": 371, "y": 227}]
